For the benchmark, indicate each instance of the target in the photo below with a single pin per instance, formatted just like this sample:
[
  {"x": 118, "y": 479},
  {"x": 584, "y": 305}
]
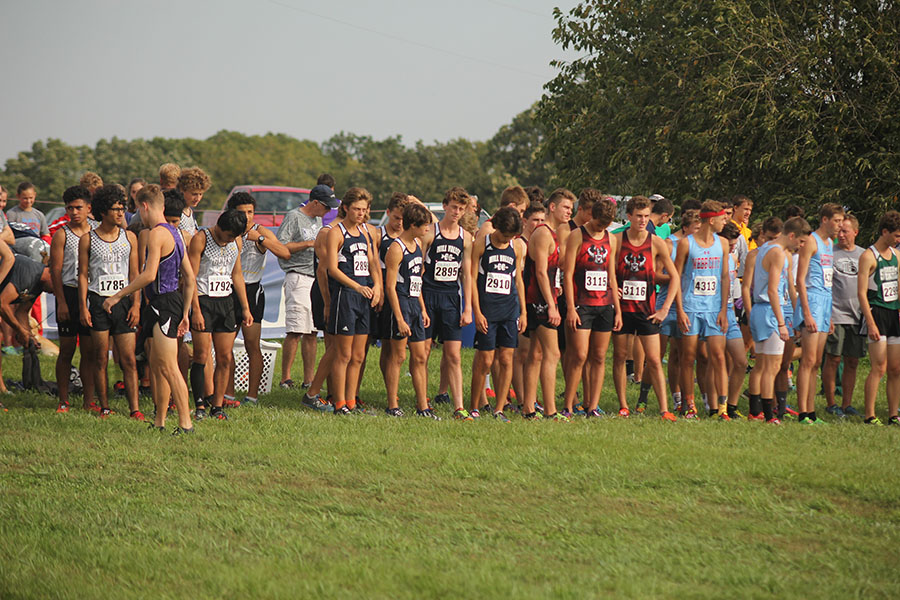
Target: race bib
[
  {"x": 415, "y": 286},
  {"x": 498, "y": 283},
  {"x": 360, "y": 265},
  {"x": 219, "y": 286},
  {"x": 705, "y": 285},
  {"x": 558, "y": 282},
  {"x": 634, "y": 290},
  {"x": 595, "y": 281},
  {"x": 446, "y": 271},
  {"x": 889, "y": 290},
  {"x": 827, "y": 274},
  {"x": 110, "y": 284}
]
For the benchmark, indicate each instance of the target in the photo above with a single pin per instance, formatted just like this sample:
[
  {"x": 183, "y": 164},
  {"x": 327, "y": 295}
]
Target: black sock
[
  {"x": 629, "y": 367},
  {"x": 755, "y": 404},
  {"x": 767, "y": 408},
  {"x": 801, "y": 416},
  {"x": 732, "y": 410},
  {"x": 713, "y": 412},
  {"x": 782, "y": 406},
  {"x": 198, "y": 382},
  {"x": 645, "y": 391},
  {"x": 812, "y": 415}
]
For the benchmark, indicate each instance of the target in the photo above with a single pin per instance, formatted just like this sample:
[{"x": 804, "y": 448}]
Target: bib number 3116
[{"x": 635, "y": 291}]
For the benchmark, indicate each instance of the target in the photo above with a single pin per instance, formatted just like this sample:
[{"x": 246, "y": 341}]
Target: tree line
[{"x": 230, "y": 158}]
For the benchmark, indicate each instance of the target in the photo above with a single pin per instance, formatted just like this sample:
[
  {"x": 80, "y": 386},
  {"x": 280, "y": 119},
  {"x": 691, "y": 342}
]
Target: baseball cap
[
  {"x": 325, "y": 195},
  {"x": 656, "y": 198}
]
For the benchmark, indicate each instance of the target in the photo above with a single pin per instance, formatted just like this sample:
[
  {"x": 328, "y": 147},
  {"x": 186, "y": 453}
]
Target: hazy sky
[{"x": 82, "y": 70}]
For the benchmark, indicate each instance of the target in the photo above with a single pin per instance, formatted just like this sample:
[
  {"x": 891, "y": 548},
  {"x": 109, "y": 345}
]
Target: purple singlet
[{"x": 167, "y": 274}]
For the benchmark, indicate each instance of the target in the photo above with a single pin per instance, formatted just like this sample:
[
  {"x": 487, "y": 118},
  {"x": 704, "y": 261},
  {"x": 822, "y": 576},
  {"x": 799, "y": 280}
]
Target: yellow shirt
[{"x": 745, "y": 231}]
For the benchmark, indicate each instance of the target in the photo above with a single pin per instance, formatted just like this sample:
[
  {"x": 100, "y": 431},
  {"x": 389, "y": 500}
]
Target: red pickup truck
[{"x": 272, "y": 203}]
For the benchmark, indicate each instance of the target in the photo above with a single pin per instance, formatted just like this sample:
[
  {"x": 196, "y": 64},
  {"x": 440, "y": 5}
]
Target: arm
[
  {"x": 8, "y": 313},
  {"x": 520, "y": 283},
  {"x": 572, "y": 244},
  {"x": 288, "y": 231},
  {"x": 662, "y": 276},
  {"x": 266, "y": 240},
  {"x": 867, "y": 264},
  {"x": 659, "y": 248},
  {"x": 468, "y": 281},
  {"x": 375, "y": 271},
  {"x": 722, "y": 318},
  {"x": 684, "y": 248},
  {"x": 134, "y": 314},
  {"x": 57, "y": 249},
  {"x": 8, "y": 236},
  {"x": 84, "y": 257},
  {"x": 539, "y": 251},
  {"x": 747, "y": 281},
  {"x": 322, "y": 269},
  {"x": 237, "y": 276},
  {"x": 6, "y": 256},
  {"x": 392, "y": 263},
  {"x": 155, "y": 241},
  {"x": 612, "y": 281},
  {"x": 194, "y": 253},
  {"x": 480, "y": 322},
  {"x": 190, "y": 290},
  {"x": 772, "y": 263},
  {"x": 792, "y": 287},
  {"x": 804, "y": 256}
]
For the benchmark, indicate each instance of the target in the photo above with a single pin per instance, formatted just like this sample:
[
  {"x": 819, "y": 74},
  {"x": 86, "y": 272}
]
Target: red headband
[{"x": 710, "y": 215}]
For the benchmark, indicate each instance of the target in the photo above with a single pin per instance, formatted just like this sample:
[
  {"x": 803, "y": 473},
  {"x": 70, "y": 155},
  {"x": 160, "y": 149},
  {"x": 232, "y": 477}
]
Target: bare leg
[
  {"x": 418, "y": 368},
  {"x": 599, "y": 344},
  {"x": 621, "y": 347},
  {"x": 125, "y": 343},
  {"x": 451, "y": 370},
  {"x": 848, "y": 380},
  {"x": 650, "y": 344},
  {"x": 288, "y": 353},
  {"x": 308, "y": 352},
  {"x": 392, "y": 374}
]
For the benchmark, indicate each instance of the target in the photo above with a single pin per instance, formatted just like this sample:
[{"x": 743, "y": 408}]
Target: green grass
[{"x": 282, "y": 502}]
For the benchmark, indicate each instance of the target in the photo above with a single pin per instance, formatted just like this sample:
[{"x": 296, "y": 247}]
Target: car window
[{"x": 278, "y": 201}]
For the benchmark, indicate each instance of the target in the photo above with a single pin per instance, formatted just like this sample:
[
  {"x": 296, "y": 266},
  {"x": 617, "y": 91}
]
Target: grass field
[{"x": 283, "y": 502}]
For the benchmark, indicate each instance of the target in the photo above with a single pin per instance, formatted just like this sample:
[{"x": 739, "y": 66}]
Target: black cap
[{"x": 325, "y": 195}]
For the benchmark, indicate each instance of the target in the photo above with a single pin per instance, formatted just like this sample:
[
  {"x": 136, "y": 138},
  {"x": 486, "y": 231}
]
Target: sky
[{"x": 84, "y": 70}]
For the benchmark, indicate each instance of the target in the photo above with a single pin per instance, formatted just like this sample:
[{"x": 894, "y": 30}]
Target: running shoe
[
  {"x": 119, "y": 388},
  {"x": 362, "y": 408},
  {"x": 93, "y": 407},
  {"x": 200, "y": 413},
  {"x": 559, "y": 418},
  {"x": 183, "y": 431},
  {"x": 287, "y": 384},
  {"x": 305, "y": 385},
  {"x": 428, "y": 414},
  {"x": 490, "y": 393},
  {"x": 774, "y": 421},
  {"x": 105, "y": 412},
  {"x": 535, "y": 416},
  {"x": 394, "y": 412},
  {"x": 624, "y": 413},
  {"x": 873, "y": 421},
  {"x": 152, "y": 427},
  {"x": 595, "y": 414},
  {"x": 342, "y": 411},
  {"x": 538, "y": 406},
  {"x": 691, "y": 415},
  {"x": 895, "y": 420},
  {"x": 231, "y": 403},
  {"x": 641, "y": 407},
  {"x": 501, "y": 417},
  {"x": 723, "y": 416},
  {"x": 248, "y": 401},
  {"x": 512, "y": 394},
  {"x": 807, "y": 421},
  {"x": 667, "y": 416},
  {"x": 217, "y": 412},
  {"x": 566, "y": 413},
  {"x": 442, "y": 398},
  {"x": 475, "y": 414},
  {"x": 835, "y": 410},
  {"x": 759, "y": 417},
  {"x": 316, "y": 403},
  {"x": 487, "y": 408},
  {"x": 137, "y": 415},
  {"x": 62, "y": 407},
  {"x": 461, "y": 414},
  {"x": 850, "y": 411},
  {"x": 12, "y": 351},
  {"x": 631, "y": 378},
  {"x": 579, "y": 409},
  {"x": 677, "y": 406},
  {"x": 144, "y": 390}
]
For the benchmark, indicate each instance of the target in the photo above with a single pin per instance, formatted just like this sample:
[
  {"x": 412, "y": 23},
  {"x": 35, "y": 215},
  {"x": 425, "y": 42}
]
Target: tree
[
  {"x": 518, "y": 148},
  {"x": 787, "y": 102}
]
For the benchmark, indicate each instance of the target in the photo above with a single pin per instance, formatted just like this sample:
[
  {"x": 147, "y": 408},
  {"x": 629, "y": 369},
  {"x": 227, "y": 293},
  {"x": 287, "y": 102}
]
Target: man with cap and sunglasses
[{"x": 298, "y": 233}]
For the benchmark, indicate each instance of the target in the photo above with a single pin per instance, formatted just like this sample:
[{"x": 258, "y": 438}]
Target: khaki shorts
[
  {"x": 297, "y": 304},
  {"x": 846, "y": 341}
]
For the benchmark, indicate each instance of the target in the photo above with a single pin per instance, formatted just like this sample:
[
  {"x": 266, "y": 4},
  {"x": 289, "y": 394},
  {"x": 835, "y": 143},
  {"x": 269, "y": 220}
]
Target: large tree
[{"x": 788, "y": 102}]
